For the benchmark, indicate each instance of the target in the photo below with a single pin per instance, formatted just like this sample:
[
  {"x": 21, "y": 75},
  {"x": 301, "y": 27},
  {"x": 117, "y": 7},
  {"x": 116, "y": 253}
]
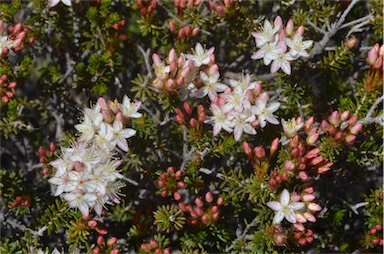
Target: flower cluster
[
  {"x": 296, "y": 209},
  {"x": 86, "y": 175},
  {"x": 7, "y": 90},
  {"x": 279, "y": 45},
  {"x": 153, "y": 247},
  {"x": 203, "y": 212},
  {"x": 24, "y": 201},
  {"x": 376, "y": 233},
  {"x": 222, "y": 7},
  {"x": 46, "y": 156},
  {"x": 105, "y": 246},
  {"x": 146, "y": 6},
  {"x": 242, "y": 107},
  {"x": 170, "y": 182},
  {"x": 342, "y": 127},
  {"x": 14, "y": 39}
]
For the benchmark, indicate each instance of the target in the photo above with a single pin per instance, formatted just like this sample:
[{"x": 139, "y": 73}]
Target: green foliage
[
  {"x": 8, "y": 246},
  {"x": 336, "y": 59},
  {"x": 168, "y": 218},
  {"x": 57, "y": 216},
  {"x": 261, "y": 242}
]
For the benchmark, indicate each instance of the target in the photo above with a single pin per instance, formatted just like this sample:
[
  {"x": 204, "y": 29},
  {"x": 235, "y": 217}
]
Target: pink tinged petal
[
  {"x": 300, "y": 218},
  {"x": 216, "y": 128},
  {"x": 296, "y": 206},
  {"x": 90, "y": 198},
  {"x": 84, "y": 209},
  {"x": 284, "y": 198},
  {"x": 310, "y": 217},
  {"x": 289, "y": 42},
  {"x": 66, "y": 2},
  {"x": 203, "y": 91},
  {"x": 290, "y": 216},
  {"x": 248, "y": 129},
  {"x": 221, "y": 87},
  {"x": 258, "y": 55},
  {"x": 237, "y": 133},
  {"x": 59, "y": 190},
  {"x": 286, "y": 67},
  {"x": 279, "y": 216},
  {"x": 53, "y": 2},
  {"x": 274, "y": 205},
  {"x": 275, "y": 66},
  {"x": 314, "y": 207},
  {"x": 272, "y": 119},
  {"x": 299, "y": 227},
  {"x": 273, "y": 106},
  {"x": 123, "y": 144}
]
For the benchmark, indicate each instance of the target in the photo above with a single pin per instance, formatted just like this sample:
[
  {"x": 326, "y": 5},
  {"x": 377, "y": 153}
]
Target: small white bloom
[
  {"x": 282, "y": 61},
  {"x": 291, "y": 127},
  {"x": 120, "y": 135},
  {"x": 200, "y": 56},
  {"x": 5, "y": 43},
  {"x": 298, "y": 46},
  {"x": 53, "y": 3},
  {"x": 265, "y": 113},
  {"x": 266, "y": 35},
  {"x": 94, "y": 115},
  {"x": 81, "y": 201},
  {"x": 212, "y": 86},
  {"x": 220, "y": 120},
  {"x": 129, "y": 109},
  {"x": 268, "y": 52},
  {"x": 86, "y": 128},
  {"x": 285, "y": 208},
  {"x": 243, "y": 124}
]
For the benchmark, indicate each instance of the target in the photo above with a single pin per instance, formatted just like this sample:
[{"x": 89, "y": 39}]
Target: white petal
[
  {"x": 284, "y": 198},
  {"x": 290, "y": 216},
  {"x": 296, "y": 206},
  {"x": 66, "y": 2},
  {"x": 279, "y": 216},
  {"x": 274, "y": 205}
]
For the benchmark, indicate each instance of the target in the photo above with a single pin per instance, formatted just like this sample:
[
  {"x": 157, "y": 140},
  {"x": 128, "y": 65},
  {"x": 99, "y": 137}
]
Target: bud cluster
[
  {"x": 278, "y": 234},
  {"x": 305, "y": 161},
  {"x": 187, "y": 119},
  {"x": 46, "y": 156},
  {"x": 203, "y": 211},
  {"x": 375, "y": 56},
  {"x": 222, "y": 7},
  {"x": 15, "y": 39},
  {"x": 183, "y": 72},
  {"x": 170, "y": 182},
  {"x": 304, "y": 237},
  {"x": 146, "y": 6},
  {"x": 153, "y": 247},
  {"x": 7, "y": 88},
  {"x": 105, "y": 246},
  {"x": 258, "y": 157},
  {"x": 23, "y": 201},
  {"x": 305, "y": 214},
  {"x": 341, "y": 127},
  {"x": 375, "y": 235}
]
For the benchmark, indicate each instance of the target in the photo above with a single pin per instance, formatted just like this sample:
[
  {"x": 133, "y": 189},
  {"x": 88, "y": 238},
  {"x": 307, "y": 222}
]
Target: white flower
[
  {"x": 243, "y": 124},
  {"x": 53, "y": 3},
  {"x": 282, "y": 61},
  {"x": 220, "y": 120},
  {"x": 234, "y": 100},
  {"x": 5, "y": 43},
  {"x": 129, "y": 109},
  {"x": 291, "y": 127},
  {"x": 200, "y": 56},
  {"x": 244, "y": 83},
  {"x": 266, "y": 35},
  {"x": 81, "y": 201},
  {"x": 86, "y": 128},
  {"x": 94, "y": 115},
  {"x": 212, "y": 86},
  {"x": 268, "y": 52},
  {"x": 285, "y": 208},
  {"x": 265, "y": 113},
  {"x": 65, "y": 182},
  {"x": 298, "y": 46},
  {"x": 120, "y": 135}
]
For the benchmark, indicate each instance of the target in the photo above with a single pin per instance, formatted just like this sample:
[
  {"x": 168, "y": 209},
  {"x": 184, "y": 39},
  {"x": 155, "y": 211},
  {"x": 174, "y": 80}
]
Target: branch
[
  {"x": 368, "y": 118},
  {"x": 16, "y": 224}
]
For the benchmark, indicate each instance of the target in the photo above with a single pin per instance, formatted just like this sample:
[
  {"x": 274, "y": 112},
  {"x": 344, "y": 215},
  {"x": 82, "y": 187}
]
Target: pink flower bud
[
  {"x": 353, "y": 120},
  {"x": 178, "y": 173},
  {"x": 216, "y": 216},
  {"x": 180, "y": 120},
  {"x": 295, "y": 198},
  {"x": 345, "y": 115},
  {"x": 172, "y": 55},
  {"x": 350, "y": 139},
  {"x": 111, "y": 241},
  {"x": 176, "y": 196},
  {"x": 289, "y": 27},
  {"x": 205, "y": 219},
  {"x": 373, "y": 54},
  {"x": 314, "y": 207},
  {"x": 334, "y": 118},
  {"x": 171, "y": 84},
  {"x": 187, "y": 108},
  {"x": 45, "y": 171},
  {"x": 289, "y": 165},
  {"x": 193, "y": 123},
  {"x": 195, "y": 31},
  {"x": 173, "y": 66},
  {"x": 312, "y": 137},
  {"x": 96, "y": 250},
  {"x": 199, "y": 212},
  {"x": 208, "y": 197},
  {"x": 160, "y": 183},
  {"x": 294, "y": 142},
  {"x": 278, "y": 22},
  {"x": 309, "y": 190},
  {"x": 17, "y": 28},
  {"x": 199, "y": 202},
  {"x": 100, "y": 240},
  {"x": 332, "y": 130},
  {"x": 170, "y": 170},
  {"x": 220, "y": 201},
  {"x": 309, "y": 123},
  {"x": 156, "y": 59},
  {"x": 101, "y": 231},
  {"x": 213, "y": 69},
  {"x": 215, "y": 209},
  {"x": 183, "y": 4},
  {"x": 164, "y": 193},
  {"x": 310, "y": 217},
  {"x": 356, "y": 129},
  {"x": 172, "y": 27},
  {"x": 300, "y": 31},
  {"x": 300, "y": 218},
  {"x": 181, "y": 33},
  {"x": 182, "y": 207},
  {"x": 259, "y": 152},
  {"x": 12, "y": 85},
  {"x": 378, "y": 63},
  {"x": 303, "y": 175},
  {"x": 308, "y": 197},
  {"x": 339, "y": 135},
  {"x": 247, "y": 149},
  {"x": 299, "y": 227},
  {"x": 188, "y": 31},
  {"x": 274, "y": 146},
  {"x": 114, "y": 251}
]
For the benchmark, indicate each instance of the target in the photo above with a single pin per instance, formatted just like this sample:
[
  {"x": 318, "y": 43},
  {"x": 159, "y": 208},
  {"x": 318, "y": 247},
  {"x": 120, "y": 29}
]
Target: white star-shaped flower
[
  {"x": 81, "y": 201},
  {"x": 298, "y": 46},
  {"x": 285, "y": 208},
  {"x": 120, "y": 135},
  {"x": 200, "y": 56},
  {"x": 265, "y": 113},
  {"x": 129, "y": 109},
  {"x": 220, "y": 120},
  {"x": 266, "y": 35},
  {"x": 212, "y": 86}
]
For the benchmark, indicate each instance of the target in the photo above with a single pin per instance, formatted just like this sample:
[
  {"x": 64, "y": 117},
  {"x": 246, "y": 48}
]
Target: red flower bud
[
  {"x": 111, "y": 241},
  {"x": 100, "y": 240},
  {"x": 199, "y": 202},
  {"x": 208, "y": 197}
]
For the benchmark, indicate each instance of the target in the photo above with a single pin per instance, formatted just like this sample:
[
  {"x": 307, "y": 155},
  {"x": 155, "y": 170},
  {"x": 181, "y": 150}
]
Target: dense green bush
[{"x": 194, "y": 126}]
